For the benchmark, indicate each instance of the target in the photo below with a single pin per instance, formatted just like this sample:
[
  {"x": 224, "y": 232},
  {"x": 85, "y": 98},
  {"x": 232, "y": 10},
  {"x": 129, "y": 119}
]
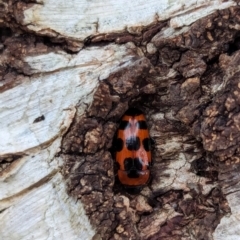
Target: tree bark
[{"x": 68, "y": 72}]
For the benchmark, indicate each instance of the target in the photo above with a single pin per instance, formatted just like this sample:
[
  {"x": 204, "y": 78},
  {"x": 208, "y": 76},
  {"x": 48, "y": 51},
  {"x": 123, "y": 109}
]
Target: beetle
[{"x": 133, "y": 150}]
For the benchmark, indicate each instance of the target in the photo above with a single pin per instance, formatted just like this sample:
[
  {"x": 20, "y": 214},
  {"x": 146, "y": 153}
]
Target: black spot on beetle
[
  {"x": 133, "y": 173},
  {"x": 132, "y": 164},
  {"x": 119, "y": 144},
  {"x": 133, "y": 143},
  {"x": 138, "y": 163},
  {"x": 142, "y": 125},
  {"x": 146, "y": 144},
  {"x": 123, "y": 125},
  {"x": 39, "y": 119},
  {"x": 128, "y": 164}
]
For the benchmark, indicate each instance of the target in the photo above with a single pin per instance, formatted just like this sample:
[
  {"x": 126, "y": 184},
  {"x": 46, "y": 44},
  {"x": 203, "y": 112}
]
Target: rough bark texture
[
  {"x": 197, "y": 103},
  {"x": 187, "y": 84}
]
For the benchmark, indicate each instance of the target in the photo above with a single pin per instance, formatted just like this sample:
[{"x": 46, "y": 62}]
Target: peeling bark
[{"x": 63, "y": 91}]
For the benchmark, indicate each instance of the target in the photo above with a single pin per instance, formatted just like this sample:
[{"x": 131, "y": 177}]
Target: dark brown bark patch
[{"x": 187, "y": 85}]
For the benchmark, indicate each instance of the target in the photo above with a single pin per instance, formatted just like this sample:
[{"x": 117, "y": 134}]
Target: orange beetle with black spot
[{"x": 133, "y": 149}]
